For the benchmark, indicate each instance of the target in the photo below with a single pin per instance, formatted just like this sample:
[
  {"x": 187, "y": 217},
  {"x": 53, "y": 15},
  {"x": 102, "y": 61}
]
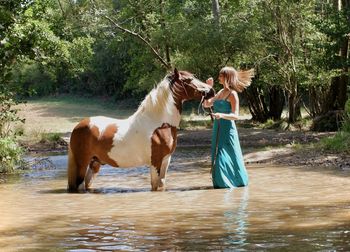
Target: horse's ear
[{"x": 176, "y": 74}]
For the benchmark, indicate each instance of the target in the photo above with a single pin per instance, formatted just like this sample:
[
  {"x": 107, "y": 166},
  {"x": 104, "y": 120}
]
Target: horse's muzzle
[{"x": 209, "y": 94}]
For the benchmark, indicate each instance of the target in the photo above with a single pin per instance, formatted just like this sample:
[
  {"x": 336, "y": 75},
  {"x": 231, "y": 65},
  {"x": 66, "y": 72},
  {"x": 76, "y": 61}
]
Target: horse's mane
[{"x": 158, "y": 99}]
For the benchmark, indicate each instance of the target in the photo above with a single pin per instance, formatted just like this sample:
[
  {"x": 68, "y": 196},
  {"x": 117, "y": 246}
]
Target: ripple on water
[{"x": 283, "y": 208}]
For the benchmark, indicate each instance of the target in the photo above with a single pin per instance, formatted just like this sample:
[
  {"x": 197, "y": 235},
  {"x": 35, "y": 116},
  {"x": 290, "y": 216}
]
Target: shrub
[
  {"x": 346, "y": 122},
  {"x": 340, "y": 142},
  {"x": 10, "y": 151},
  {"x": 10, "y": 154}
]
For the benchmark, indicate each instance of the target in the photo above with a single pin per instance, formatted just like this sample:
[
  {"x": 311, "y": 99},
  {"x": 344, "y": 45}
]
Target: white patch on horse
[
  {"x": 101, "y": 122},
  {"x": 132, "y": 143}
]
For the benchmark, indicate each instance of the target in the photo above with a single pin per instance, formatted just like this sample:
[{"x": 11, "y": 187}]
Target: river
[{"x": 282, "y": 209}]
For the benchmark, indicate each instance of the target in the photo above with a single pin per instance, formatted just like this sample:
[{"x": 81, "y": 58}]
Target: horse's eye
[{"x": 188, "y": 80}]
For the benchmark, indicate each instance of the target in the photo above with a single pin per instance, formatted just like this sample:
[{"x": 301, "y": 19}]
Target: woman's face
[{"x": 221, "y": 78}]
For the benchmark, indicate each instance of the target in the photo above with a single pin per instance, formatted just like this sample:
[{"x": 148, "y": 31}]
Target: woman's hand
[
  {"x": 217, "y": 115},
  {"x": 225, "y": 116}
]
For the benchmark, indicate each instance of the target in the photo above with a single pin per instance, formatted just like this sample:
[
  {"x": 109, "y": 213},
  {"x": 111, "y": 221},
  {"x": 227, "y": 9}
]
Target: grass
[
  {"x": 52, "y": 117},
  {"x": 49, "y": 119},
  {"x": 50, "y": 137},
  {"x": 339, "y": 143}
]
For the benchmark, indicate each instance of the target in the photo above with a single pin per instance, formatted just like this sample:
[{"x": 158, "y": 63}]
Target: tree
[
  {"x": 331, "y": 60},
  {"x": 285, "y": 38},
  {"x": 337, "y": 94},
  {"x": 13, "y": 45}
]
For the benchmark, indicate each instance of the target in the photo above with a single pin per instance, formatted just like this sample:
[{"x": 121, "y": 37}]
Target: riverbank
[
  {"x": 263, "y": 146},
  {"x": 49, "y": 122}
]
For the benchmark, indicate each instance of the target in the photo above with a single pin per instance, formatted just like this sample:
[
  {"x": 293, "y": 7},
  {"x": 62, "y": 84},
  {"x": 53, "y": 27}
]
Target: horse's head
[{"x": 186, "y": 87}]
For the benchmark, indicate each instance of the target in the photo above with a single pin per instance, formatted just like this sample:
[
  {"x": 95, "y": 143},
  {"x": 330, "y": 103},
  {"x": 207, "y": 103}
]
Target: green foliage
[
  {"x": 34, "y": 79},
  {"x": 346, "y": 121},
  {"x": 68, "y": 46},
  {"x": 10, "y": 151},
  {"x": 8, "y": 114},
  {"x": 11, "y": 45},
  {"x": 50, "y": 137},
  {"x": 339, "y": 143},
  {"x": 10, "y": 155}
]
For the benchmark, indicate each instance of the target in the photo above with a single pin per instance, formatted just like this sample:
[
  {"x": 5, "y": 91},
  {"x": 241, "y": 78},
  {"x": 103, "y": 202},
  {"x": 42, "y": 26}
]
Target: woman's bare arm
[{"x": 234, "y": 115}]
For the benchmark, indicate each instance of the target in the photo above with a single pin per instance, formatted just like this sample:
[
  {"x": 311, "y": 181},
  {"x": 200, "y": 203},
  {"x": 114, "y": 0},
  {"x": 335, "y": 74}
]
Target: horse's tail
[{"x": 72, "y": 172}]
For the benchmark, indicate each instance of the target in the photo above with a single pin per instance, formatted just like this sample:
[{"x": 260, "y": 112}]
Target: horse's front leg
[
  {"x": 158, "y": 175},
  {"x": 163, "y": 171},
  {"x": 154, "y": 178}
]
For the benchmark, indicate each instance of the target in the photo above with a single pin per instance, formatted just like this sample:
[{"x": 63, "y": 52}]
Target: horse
[{"x": 146, "y": 138}]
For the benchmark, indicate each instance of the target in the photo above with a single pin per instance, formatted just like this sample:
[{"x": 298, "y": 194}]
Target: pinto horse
[{"x": 148, "y": 137}]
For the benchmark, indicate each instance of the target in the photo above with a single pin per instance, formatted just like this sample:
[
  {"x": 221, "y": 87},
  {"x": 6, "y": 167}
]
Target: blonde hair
[{"x": 237, "y": 80}]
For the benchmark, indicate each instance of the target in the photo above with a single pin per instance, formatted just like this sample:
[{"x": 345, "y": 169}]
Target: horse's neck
[{"x": 159, "y": 106}]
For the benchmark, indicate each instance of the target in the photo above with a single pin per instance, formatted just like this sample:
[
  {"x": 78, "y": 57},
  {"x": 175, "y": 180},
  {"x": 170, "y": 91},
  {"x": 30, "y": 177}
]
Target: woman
[{"x": 228, "y": 168}]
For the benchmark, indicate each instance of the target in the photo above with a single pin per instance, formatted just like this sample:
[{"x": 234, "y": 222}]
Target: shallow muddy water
[{"x": 283, "y": 209}]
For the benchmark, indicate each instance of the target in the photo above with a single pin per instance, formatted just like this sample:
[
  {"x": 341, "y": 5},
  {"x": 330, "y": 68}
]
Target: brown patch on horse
[
  {"x": 178, "y": 89},
  {"x": 104, "y": 143},
  {"x": 81, "y": 151},
  {"x": 163, "y": 143},
  {"x": 87, "y": 147}
]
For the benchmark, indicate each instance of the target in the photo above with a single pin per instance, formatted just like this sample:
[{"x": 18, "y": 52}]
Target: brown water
[{"x": 283, "y": 209}]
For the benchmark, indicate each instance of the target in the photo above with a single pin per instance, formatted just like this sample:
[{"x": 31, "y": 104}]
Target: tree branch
[{"x": 137, "y": 35}]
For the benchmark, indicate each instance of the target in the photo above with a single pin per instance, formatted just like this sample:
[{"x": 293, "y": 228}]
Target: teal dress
[{"x": 227, "y": 160}]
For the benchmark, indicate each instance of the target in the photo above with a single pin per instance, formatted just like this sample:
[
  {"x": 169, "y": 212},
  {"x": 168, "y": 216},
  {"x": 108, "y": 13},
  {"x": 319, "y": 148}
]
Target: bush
[
  {"x": 8, "y": 114},
  {"x": 10, "y": 155},
  {"x": 340, "y": 142},
  {"x": 331, "y": 121},
  {"x": 346, "y": 122},
  {"x": 10, "y": 151}
]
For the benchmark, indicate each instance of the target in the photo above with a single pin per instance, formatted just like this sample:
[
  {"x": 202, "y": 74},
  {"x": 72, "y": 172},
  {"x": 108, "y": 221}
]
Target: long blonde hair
[{"x": 237, "y": 80}]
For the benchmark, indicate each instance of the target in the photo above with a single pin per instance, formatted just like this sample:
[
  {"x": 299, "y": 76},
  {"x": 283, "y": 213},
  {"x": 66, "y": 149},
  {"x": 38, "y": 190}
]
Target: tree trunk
[
  {"x": 264, "y": 107},
  {"x": 317, "y": 98},
  {"x": 216, "y": 11},
  {"x": 292, "y": 117},
  {"x": 294, "y": 105},
  {"x": 256, "y": 104},
  {"x": 276, "y": 97}
]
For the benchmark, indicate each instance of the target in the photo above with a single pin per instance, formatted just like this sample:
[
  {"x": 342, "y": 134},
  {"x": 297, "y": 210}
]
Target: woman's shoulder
[
  {"x": 219, "y": 94},
  {"x": 234, "y": 93},
  {"x": 220, "y": 91}
]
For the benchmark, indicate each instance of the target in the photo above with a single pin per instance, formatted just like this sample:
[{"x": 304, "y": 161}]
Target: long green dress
[{"x": 227, "y": 160}]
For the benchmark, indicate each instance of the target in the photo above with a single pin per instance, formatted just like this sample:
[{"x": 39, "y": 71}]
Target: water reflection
[
  {"x": 169, "y": 230},
  {"x": 236, "y": 219}
]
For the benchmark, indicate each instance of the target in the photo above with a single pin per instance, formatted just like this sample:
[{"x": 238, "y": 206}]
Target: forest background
[{"x": 122, "y": 49}]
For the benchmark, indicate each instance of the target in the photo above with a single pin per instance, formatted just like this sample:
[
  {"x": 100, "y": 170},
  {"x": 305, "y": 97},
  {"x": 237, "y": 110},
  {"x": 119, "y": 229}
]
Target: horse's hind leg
[
  {"x": 91, "y": 172},
  {"x": 77, "y": 165}
]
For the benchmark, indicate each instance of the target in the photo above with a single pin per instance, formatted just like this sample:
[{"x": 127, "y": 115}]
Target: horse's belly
[{"x": 131, "y": 153}]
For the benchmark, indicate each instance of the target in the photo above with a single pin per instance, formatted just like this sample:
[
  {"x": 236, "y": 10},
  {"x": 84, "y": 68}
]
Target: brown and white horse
[{"x": 148, "y": 137}]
